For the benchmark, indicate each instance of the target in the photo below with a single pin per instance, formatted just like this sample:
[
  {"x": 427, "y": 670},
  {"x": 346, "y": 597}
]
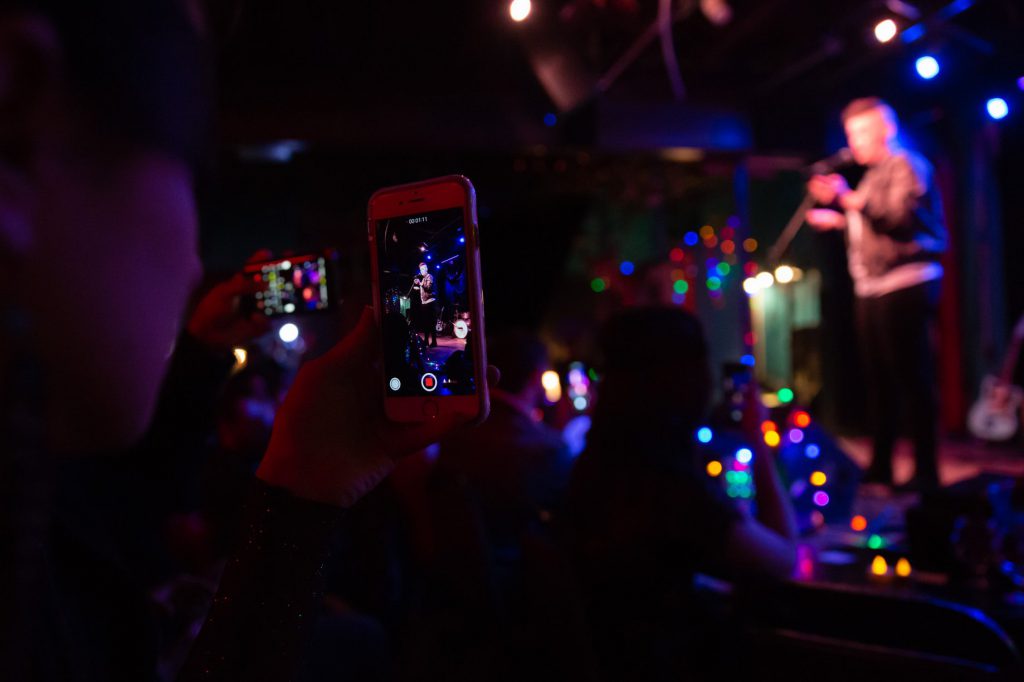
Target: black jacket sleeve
[
  {"x": 268, "y": 593},
  {"x": 904, "y": 203}
]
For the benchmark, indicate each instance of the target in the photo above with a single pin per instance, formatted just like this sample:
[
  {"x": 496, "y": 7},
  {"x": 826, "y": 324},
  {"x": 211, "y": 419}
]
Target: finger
[
  {"x": 261, "y": 255},
  {"x": 360, "y": 346},
  {"x": 256, "y": 325},
  {"x": 240, "y": 285},
  {"x": 403, "y": 439}
]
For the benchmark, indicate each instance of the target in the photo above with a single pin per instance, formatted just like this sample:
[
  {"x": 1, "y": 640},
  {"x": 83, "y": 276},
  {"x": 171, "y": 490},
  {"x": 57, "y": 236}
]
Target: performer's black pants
[
  {"x": 899, "y": 369},
  {"x": 428, "y": 312}
]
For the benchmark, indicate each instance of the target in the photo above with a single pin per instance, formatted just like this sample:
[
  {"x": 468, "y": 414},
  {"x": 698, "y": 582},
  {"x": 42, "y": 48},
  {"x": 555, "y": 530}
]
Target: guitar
[{"x": 994, "y": 416}]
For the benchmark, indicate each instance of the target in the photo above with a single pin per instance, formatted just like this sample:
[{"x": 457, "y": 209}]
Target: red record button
[{"x": 429, "y": 382}]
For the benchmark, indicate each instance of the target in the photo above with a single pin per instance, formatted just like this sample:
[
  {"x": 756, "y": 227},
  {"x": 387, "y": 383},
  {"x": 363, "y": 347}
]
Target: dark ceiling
[{"x": 351, "y": 72}]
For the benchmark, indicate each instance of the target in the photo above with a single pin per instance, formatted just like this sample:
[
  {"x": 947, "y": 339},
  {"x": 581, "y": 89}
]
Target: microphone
[{"x": 843, "y": 157}]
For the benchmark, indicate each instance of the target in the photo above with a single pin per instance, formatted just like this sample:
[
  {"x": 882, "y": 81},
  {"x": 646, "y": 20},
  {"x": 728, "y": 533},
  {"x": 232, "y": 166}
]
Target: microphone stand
[{"x": 791, "y": 230}]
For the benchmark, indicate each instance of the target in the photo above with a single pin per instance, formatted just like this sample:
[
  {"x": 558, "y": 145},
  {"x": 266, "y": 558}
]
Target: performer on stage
[
  {"x": 895, "y": 235},
  {"x": 428, "y": 307}
]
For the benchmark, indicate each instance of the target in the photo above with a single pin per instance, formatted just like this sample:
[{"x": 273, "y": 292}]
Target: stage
[
  {"x": 446, "y": 345},
  {"x": 958, "y": 459}
]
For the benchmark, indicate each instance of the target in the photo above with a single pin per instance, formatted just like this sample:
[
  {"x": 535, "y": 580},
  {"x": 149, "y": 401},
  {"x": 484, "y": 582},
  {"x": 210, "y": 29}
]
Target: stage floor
[
  {"x": 446, "y": 345},
  {"x": 958, "y": 459}
]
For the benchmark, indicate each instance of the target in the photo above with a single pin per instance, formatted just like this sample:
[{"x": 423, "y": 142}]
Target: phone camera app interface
[
  {"x": 426, "y": 323},
  {"x": 292, "y": 286}
]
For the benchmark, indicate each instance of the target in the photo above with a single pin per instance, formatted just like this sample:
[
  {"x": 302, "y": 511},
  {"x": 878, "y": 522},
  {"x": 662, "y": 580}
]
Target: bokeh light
[
  {"x": 519, "y": 10},
  {"x": 927, "y": 67},
  {"x": 885, "y": 30},
  {"x": 288, "y": 332},
  {"x": 997, "y": 108}
]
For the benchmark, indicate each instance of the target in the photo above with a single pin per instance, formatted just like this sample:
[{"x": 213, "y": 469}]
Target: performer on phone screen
[
  {"x": 895, "y": 235},
  {"x": 428, "y": 306}
]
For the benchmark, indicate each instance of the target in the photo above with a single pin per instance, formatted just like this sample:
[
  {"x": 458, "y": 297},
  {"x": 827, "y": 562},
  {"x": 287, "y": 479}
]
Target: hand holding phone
[
  {"x": 331, "y": 441},
  {"x": 219, "y": 321}
]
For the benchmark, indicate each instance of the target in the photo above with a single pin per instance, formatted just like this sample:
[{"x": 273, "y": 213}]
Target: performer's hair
[
  {"x": 862, "y": 105},
  {"x": 422, "y": 265}
]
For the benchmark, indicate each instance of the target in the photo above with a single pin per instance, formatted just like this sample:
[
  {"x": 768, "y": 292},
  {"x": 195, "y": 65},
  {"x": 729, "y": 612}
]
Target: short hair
[
  {"x": 862, "y": 105},
  {"x": 653, "y": 359},
  {"x": 422, "y": 265},
  {"x": 139, "y": 68}
]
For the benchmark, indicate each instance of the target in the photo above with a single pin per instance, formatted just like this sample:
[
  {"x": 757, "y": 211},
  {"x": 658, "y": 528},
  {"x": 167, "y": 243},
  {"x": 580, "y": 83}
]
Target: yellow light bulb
[
  {"x": 549, "y": 380},
  {"x": 552, "y": 386},
  {"x": 879, "y": 566},
  {"x": 714, "y": 467},
  {"x": 903, "y": 567},
  {"x": 818, "y": 478},
  {"x": 784, "y": 274}
]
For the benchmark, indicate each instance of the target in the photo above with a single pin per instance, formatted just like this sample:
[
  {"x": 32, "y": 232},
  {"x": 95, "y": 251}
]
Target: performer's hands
[
  {"x": 827, "y": 188},
  {"x": 331, "y": 441},
  {"x": 824, "y": 219},
  {"x": 852, "y": 200}
]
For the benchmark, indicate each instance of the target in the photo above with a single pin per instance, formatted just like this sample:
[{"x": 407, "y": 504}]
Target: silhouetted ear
[{"x": 29, "y": 90}]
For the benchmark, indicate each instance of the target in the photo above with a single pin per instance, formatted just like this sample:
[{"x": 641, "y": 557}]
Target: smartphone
[
  {"x": 291, "y": 286},
  {"x": 736, "y": 380},
  {"x": 736, "y": 377},
  {"x": 428, "y": 298}
]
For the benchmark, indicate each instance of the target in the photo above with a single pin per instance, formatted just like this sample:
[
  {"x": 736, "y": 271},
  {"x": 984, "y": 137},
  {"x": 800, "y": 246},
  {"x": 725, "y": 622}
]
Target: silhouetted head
[
  {"x": 102, "y": 111},
  {"x": 655, "y": 374}
]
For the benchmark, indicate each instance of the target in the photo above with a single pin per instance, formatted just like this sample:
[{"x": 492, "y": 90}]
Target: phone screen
[
  {"x": 298, "y": 284},
  {"x": 427, "y": 326}
]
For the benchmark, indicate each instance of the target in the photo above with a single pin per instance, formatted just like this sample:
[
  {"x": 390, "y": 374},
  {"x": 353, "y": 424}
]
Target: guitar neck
[{"x": 1010, "y": 361}]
